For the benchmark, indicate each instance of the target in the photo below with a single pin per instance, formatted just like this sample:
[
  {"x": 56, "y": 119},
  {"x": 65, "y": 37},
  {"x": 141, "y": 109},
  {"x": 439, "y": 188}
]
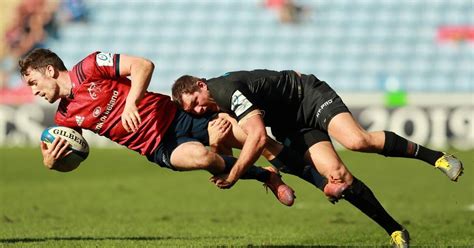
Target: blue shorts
[{"x": 184, "y": 128}]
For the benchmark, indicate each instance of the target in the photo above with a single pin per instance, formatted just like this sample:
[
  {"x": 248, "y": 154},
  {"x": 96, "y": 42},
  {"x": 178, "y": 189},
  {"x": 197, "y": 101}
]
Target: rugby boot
[
  {"x": 283, "y": 192},
  {"x": 450, "y": 165},
  {"x": 400, "y": 239},
  {"x": 333, "y": 191}
]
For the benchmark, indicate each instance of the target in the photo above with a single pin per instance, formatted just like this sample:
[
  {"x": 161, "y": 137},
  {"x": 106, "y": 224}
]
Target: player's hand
[
  {"x": 56, "y": 151},
  {"x": 130, "y": 117},
  {"x": 223, "y": 181},
  {"x": 218, "y": 129}
]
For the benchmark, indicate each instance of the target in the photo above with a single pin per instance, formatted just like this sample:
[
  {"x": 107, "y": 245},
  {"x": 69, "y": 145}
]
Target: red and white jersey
[{"x": 98, "y": 99}]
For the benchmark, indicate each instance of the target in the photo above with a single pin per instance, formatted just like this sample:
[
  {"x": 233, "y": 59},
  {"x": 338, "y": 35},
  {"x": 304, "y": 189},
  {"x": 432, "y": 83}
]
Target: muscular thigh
[
  {"x": 348, "y": 132},
  {"x": 185, "y": 155}
]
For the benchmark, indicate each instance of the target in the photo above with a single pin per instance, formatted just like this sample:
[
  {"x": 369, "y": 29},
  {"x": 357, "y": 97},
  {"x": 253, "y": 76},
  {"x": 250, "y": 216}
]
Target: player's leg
[
  {"x": 284, "y": 158},
  {"x": 355, "y": 191},
  {"x": 236, "y": 139},
  {"x": 347, "y": 131},
  {"x": 273, "y": 151},
  {"x": 181, "y": 148},
  {"x": 195, "y": 156}
]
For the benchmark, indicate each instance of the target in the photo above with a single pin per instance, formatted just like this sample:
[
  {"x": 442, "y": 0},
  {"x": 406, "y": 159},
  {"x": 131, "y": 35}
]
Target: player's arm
[
  {"x": 252, "y": 124},
  {"x": 52, "y": 155},
  {"x": 140, "y": 71}
]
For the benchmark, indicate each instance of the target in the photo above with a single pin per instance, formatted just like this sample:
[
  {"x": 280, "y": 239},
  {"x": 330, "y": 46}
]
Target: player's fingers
[
  {"x": 227, "y": 126},
  {"x": 132, "y": 123},
  {"x": 219, "y": 182},
  {"x": 125, "y": 125},
  {"x": 62, "y": 151},
  {"x": 225, "y": 121},
  {"x": 58, "y": 150},
  {"x": 43, "y": 146},
  {"x": 55, "y": 143},
  {"x": 53, "y": 149},
  {"x": 139, "y": 119},
  {"x": 44, "y": 149},
  {"x": 135, "y": 122}
]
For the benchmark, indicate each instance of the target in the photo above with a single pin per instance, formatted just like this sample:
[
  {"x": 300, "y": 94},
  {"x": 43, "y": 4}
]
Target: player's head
[
  {"x": 192, "y": 95},
  {"x": 40, "y": 69}
]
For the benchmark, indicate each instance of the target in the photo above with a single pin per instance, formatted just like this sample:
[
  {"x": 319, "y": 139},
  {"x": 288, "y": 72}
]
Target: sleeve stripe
[
  {"x": 80, "y": 72},
  {"x": 117, "y": 65}
]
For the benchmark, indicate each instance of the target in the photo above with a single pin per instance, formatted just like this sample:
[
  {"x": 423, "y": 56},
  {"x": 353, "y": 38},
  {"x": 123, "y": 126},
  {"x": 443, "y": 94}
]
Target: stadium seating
[{"x": 356, "y": 45}]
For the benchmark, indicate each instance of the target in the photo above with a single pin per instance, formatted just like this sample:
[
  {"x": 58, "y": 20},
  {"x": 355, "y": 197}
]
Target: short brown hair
[
  {"x": 184, "y": 85},
  {"x": 38, "y": 59}
]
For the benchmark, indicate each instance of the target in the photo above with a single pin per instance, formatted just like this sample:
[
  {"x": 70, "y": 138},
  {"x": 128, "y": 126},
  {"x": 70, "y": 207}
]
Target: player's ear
[
  {"x": 52, "y": 72},
  {"x": 201, "y": 85}
]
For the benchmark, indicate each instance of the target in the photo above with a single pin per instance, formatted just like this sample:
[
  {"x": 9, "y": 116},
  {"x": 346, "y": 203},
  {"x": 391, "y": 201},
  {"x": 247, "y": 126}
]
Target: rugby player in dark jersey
[
  {"x": 97, "y": 95},
  {"x": 303, "y": 111}
]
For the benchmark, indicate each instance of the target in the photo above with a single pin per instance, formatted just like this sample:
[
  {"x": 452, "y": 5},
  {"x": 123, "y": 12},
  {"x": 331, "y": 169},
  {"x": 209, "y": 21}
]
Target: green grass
[{"x": 118, "y": 199}]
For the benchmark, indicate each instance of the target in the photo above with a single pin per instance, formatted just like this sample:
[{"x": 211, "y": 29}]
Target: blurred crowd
[
  {"x": 28, "y": 24},
  {"x": 288, "y": 11}
]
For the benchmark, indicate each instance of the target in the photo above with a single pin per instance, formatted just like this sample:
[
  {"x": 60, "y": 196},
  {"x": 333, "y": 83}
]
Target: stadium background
[{"x": 403, "y": 65}]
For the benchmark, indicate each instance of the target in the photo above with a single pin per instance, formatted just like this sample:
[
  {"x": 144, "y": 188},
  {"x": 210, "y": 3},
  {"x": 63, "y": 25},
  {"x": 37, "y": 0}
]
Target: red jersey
[{"x": 98, "y": 99}]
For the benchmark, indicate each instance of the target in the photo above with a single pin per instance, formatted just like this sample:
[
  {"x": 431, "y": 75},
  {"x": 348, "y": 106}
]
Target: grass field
[{"x": 116, "y": 198}]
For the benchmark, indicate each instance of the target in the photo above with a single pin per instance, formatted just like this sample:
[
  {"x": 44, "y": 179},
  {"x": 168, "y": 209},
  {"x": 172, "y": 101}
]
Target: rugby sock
[
  {"x": 397, "y": 146},
  {"x": 253, "y": 172},
  {"x": 359, "y": 195},
  {"x": 311, "y": 175},
  {"x": 291, "y": 162},
  {"x": 289, "y": 158}
]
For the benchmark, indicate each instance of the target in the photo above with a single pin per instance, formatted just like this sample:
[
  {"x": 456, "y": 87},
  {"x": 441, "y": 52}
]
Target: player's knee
[
  {"x": 357, "y": 143},
  {"x": 203, "y": 159}
]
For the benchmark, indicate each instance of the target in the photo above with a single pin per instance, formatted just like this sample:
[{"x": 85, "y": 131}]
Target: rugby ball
[{"x": 77, "y": 143}]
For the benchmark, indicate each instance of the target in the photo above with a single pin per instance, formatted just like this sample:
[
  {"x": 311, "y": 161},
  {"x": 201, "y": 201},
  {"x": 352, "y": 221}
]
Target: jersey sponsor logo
[
  {"x": 79, "y": 120},
  {"x": 108, "y": 109},
  {"x": 93, "y": 91},
  {"x": 324, "y": 105},
  {"x": 97, "y": 111},
  {"x": 239, "y": 103},
  {"x": 104, "y": 59}
]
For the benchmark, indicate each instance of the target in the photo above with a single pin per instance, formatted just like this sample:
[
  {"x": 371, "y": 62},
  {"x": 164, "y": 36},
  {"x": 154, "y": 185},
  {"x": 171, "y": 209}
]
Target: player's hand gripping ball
[{"x": 77, "y": 143}]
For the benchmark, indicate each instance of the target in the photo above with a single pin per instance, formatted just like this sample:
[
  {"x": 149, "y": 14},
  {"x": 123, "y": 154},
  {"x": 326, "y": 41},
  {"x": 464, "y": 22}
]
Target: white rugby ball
[{"x": 78, "y": 145}]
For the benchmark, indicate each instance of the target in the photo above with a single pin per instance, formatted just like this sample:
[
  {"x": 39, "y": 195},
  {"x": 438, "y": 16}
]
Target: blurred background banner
[{"x": 402, "y": 65}]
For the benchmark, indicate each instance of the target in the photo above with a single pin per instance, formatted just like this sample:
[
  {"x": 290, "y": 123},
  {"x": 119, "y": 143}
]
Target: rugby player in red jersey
[{"x": 97, "y": 95}]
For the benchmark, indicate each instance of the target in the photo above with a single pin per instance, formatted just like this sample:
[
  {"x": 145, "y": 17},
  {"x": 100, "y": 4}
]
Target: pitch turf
[{"x": 118, "y": 199}]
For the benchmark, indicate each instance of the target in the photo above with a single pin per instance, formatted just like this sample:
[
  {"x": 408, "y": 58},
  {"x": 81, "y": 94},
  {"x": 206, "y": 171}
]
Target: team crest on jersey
[
  {"x": 104, "y": 59},
  {"x": 93, "y": 90},
  {"x": 79, "y": 120},
  {"x": 239, "y": 103},
  {"x": 96, "y": 111}
]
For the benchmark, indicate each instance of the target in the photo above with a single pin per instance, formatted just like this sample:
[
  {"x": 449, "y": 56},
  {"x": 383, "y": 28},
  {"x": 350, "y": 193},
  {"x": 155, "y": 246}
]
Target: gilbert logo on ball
[{"x": 76, "y": 141}]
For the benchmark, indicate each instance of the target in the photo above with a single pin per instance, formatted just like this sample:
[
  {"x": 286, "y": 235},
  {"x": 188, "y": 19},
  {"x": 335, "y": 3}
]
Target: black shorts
[
  {"x": 184, "y": 128},
  {"x": 305, "y": 138},
  {"x": 319, "y": 105}
]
